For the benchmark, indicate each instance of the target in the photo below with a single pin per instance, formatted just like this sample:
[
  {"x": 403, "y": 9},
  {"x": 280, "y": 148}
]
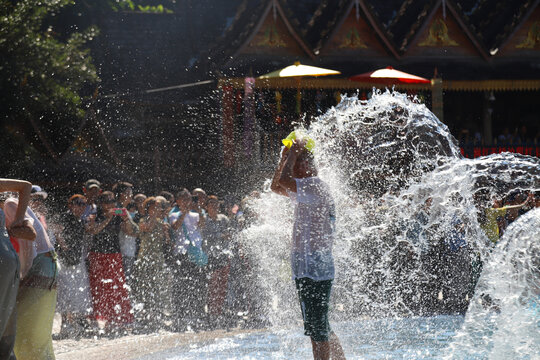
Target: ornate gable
[
  {"x": 526, "y": 39},
  {"x": 355, "y": 35},
  {"x": 445, "y": 37},
  {"x": 274, "y": 35}
]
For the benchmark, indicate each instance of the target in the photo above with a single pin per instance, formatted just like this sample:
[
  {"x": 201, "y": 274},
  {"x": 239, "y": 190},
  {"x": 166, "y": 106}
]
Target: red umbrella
[{"x": 389, "y": 75}]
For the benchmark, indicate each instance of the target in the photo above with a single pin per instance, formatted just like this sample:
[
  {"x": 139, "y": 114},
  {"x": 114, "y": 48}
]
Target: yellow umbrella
[{"x": 299, "y": 70}]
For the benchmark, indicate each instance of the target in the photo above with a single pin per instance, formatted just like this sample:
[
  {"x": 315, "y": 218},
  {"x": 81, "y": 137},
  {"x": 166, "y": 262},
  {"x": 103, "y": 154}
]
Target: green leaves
[
  {"x": 129, "y": 5},
  {"x": 42, "y": 77}
]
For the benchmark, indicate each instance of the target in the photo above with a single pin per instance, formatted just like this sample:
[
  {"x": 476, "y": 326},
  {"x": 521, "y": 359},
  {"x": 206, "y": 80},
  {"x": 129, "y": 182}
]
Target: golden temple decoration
[
  {"x": 80, "y": 145},
  {"x": 438, "y": 35},
  {"x": 271, "y": 38},
  {"x": 352, "y": 40},
  {"x": 533, "y": 37}
]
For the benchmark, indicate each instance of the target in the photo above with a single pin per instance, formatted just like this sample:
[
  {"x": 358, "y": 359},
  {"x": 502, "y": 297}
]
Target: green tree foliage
[
  {"x": 129, "y": 5},
  {"x": 42, "y": 78}
]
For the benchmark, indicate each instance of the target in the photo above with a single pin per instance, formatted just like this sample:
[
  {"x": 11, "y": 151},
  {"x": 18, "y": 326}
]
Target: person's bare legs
[
  {"x": 321, "y": 350},
  {"x": 336, "y": 351},
  {"x": 324, "y": 350}
]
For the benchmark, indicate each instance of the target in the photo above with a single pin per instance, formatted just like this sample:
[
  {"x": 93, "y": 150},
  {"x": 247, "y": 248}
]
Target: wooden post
[
  {"x": 227, "y": 118},
  {"x": 487, "y": 118},
  {"x": 157, "y": 169},
  {"x": 251, "y": 134},
  {"x": 437, "y": 98}
]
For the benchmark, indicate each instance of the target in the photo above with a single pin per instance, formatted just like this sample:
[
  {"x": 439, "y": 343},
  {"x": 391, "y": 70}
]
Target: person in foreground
[
  {"x": 36, "y": 298},
  {"x": 9, "y": 262},
  {"x": 313, "y": 233}
]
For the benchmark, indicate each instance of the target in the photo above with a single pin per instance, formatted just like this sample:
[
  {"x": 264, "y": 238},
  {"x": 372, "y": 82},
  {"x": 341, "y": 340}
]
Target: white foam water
[
  {"x": 408, "y": 243},
  {"x": 503, "y": 320}
]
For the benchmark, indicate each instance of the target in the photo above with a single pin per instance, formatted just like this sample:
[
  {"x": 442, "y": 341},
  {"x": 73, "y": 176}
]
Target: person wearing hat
[
  {"x": 37, "y": 204},
  {"x": 36, "y": 300},
  {"x": 9, "y": 262},
  {"x": 91, "y": 190},
  {"x": 199, "y": 200},
  {"x": 313, "y": 233},
  {"x": 37, "y": 191},
  {"x": 216, "y": 235}
]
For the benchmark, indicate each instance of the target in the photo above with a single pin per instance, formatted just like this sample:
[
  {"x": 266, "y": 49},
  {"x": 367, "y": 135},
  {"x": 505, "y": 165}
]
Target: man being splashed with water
[{"x": 313, "y": 234}]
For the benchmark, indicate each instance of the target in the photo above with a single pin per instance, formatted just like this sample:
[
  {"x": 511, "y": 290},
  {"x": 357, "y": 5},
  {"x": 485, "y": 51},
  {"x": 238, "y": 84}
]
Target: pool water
[{"x": 405, "y": 338}]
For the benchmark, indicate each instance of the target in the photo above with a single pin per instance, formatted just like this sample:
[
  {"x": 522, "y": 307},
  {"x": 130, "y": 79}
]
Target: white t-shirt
[
  {"x": 191, "y": 226},
  {"x": 128, "y": 244},
  {"x": 313, "y": 230}
]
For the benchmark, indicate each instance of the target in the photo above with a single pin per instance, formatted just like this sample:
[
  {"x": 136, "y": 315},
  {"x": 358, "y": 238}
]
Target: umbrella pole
[
  {"x": 437, "y": 98},
  {"x": 298, "y": 99}
]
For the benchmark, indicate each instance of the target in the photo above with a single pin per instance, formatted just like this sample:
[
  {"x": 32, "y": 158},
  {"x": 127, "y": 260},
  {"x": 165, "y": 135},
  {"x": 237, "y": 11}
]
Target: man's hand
[
  {"x": 19, "y": 222},
  {"x": 23, "y": 230},
  {"x": 298, "y": 146},
  {"x": 109, "y": 214},
  {"x": 286, "y": 180},
  {"x": 125, "y": 215},
  {"x": 530, "y": 200},
  {"x": 284, "y": 154}
]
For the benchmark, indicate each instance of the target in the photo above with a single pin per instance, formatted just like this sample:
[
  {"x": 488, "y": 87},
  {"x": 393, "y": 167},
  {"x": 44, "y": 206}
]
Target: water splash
[
  {"x": 503, "y": 321},
  {"x": 408, "y": 238}
]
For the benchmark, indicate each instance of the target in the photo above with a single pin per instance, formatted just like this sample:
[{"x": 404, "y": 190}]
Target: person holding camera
[
  {"x": 150, "y": 269},
  {"x": 128, "y": 243},
  {"x": 190, "y": 259},
  {"x": 74, "y": 299},
  {"x": 216, "y": 234},
  {"x": 199, "y": 200},
  {"x": 107, "y": 278}
]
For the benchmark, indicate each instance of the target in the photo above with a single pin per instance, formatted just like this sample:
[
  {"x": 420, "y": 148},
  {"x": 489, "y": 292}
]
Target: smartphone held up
[{"x": 120, "y": 211}]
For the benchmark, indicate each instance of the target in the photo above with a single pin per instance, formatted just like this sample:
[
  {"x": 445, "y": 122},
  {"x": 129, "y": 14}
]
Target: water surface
[{"x": 405, "y": 338}]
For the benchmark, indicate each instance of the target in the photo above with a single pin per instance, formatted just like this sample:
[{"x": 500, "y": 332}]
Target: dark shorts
[{"x": 314, "y": 298}]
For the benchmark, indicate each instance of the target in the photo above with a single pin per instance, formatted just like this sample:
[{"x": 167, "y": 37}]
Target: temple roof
[
  {"x": 250, "y": 17},
  {"x": 495, "y": 21},
  {"x": 142, "y": 51}
]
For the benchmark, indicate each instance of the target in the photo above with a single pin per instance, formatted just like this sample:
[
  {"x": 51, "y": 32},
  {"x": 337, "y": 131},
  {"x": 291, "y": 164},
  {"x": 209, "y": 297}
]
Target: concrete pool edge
[{"x": 135, "y": 346}]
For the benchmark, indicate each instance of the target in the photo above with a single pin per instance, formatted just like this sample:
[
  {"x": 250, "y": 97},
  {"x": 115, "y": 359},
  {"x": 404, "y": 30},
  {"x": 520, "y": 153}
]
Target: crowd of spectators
[
  {"x": 519, "y": 136},
  {"x": 494, "y": 218},
  {"x": 521, "y": 140},
  {"x": 133, "y": 262}
]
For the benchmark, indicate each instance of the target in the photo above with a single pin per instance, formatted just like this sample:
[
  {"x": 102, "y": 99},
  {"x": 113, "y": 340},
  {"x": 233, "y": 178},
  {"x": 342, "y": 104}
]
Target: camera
[{"x": 120, "y": 211}]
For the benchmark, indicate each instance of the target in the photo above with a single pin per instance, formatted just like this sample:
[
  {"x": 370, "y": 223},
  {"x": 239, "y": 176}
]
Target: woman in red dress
[{"x": 110, "y": 296}]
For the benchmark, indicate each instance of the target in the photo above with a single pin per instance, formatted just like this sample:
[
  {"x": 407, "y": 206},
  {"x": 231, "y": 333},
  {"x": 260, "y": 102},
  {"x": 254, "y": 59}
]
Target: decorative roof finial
[{"x": 444, "y": 9}]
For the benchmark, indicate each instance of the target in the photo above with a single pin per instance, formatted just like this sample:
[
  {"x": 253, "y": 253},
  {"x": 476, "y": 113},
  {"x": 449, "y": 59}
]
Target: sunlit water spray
[
  {"x": 503, "y": 321},
  {"x": 408, "y": 234},
  {"x": 408, "y": 242}
]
